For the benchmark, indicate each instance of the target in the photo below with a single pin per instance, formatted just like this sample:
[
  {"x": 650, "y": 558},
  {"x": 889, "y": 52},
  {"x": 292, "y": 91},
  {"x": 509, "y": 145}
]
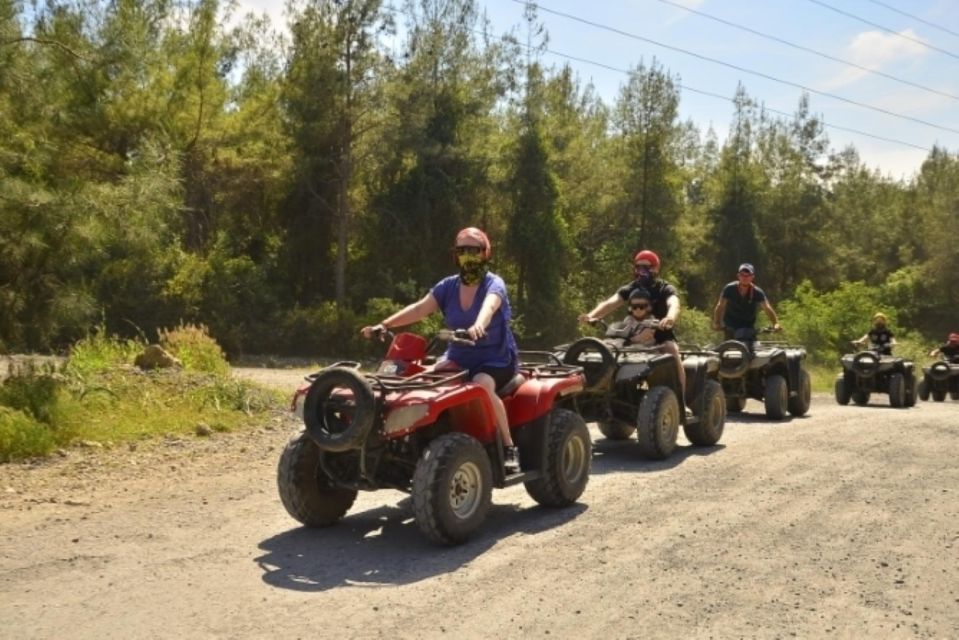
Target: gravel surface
[{"x": 841, "y": 524}]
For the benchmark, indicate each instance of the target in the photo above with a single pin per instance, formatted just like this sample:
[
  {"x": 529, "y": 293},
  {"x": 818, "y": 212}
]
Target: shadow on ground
[
  {"x": 383, "y": 546},
  {"x": 623, "y": 456}
]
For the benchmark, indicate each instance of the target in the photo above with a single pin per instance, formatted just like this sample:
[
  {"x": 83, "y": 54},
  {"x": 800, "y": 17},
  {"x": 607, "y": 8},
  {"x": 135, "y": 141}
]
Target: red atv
[{"x": 432, "y": 434}]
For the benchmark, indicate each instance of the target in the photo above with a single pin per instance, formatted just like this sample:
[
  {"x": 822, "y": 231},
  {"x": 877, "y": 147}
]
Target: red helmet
[
  {"x": 646, "y": 254},
  {"x": 475, "y": 234},
  {"x": 954, "y": 338}
]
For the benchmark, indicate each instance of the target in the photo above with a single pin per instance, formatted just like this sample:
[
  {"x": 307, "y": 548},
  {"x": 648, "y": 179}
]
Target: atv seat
[{"x": 511, "y": 386}]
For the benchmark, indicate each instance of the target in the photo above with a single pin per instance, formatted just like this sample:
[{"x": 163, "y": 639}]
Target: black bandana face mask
[
  {"x": 644, "y": 276},
  {"x": 472, "y": 268}
]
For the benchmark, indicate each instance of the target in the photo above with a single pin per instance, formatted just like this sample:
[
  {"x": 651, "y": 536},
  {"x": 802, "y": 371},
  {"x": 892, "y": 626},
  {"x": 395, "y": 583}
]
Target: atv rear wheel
[
  {"x": 305, "y": 491},
  {"x": 616, "y": 429},
  {"x": 861, "y": 398},
  {"x": 452, "y": 488},
  {"x": 565, "y": 471},
  {"x": 735, "y": 404},
  {"x": 776, "y": 397},
  {"x": 709, "y": 429},
  {"x": 658, "y": 423},
  {"x": 339, "y": 409},
  {"x": 842, "y": 392},
  {"x": 897, "y": 391},
  {"x": 799, "y": 405}
]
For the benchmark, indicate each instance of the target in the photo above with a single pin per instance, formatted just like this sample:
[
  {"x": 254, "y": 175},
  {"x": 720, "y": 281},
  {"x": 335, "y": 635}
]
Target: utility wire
[
  {"x": 821, "y": 54},
  {"x": 686, "y": 87},
  {"x": 886, "y": 29},
  {"x": 916, "y": 18},
  {"x": 834, "y": 96}
]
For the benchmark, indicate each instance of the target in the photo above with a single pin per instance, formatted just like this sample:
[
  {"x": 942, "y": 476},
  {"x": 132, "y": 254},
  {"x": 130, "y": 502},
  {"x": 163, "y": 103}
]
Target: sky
[{"x": 922, "y": 49}]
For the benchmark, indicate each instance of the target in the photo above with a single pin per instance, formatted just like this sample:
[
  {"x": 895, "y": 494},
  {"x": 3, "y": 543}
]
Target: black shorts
[{"x": 500, "y": 375}]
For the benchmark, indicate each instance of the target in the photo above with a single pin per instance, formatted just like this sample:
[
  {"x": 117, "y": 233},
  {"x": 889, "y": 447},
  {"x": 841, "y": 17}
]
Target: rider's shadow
[
  {"x": 615, "y": 456},
  {"x": 383, "y": 546}
]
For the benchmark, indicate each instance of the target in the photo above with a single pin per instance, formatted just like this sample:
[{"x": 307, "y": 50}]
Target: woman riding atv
[{"x": 949, "y": 351}]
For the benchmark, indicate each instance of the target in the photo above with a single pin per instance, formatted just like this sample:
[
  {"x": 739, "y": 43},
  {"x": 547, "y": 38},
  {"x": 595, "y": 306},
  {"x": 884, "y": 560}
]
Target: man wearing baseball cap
[{"x": 735, "y": 312}]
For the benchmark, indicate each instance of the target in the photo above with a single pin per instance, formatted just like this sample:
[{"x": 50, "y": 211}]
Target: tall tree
[
  {"x": 330, "y": 97},
  {"x": 735, "y": 236},
  {"x": 645, "y": 116}
]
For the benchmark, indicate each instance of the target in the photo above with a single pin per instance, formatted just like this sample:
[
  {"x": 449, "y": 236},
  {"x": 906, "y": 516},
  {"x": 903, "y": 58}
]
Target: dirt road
[{"x": 842, "y": 524}]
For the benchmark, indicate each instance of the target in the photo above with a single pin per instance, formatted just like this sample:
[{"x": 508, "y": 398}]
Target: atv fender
[{"x": 536, "y": 397}]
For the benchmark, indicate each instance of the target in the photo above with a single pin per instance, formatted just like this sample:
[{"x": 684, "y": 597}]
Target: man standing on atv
[
  {"x": 735, "y": 312},
  {"x": 948, "y": 351},
  {"x": 475, "y": 299},
  {"x": 879, "y": 337},
  {"x": 664, "y": 299}
]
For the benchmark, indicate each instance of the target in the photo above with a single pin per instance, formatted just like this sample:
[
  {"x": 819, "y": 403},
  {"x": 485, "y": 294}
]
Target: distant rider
[
  {"x": 880, "y": 338},
  {"x": 735, "y": 312},
  {"x": 950, "y": 350}
]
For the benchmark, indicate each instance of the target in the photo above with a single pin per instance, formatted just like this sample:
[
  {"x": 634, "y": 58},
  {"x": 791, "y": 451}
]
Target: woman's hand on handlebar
[
  {"x": 476, "y": 332},
  {"x": 377, "y": 330}
]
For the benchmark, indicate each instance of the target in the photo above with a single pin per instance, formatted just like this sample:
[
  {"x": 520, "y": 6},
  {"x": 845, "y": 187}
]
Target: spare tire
[
  {"x": 865, "y": 364},
  {"x": 733, "y": 367},
  {"x": 598, "y": 374},
  {"x": 339, "y": 409},
  {"x": 939, "y": 370}
]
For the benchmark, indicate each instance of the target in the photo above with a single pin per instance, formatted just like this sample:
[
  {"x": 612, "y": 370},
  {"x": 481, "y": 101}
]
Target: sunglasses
[
  {"x": 473, "y": 251},
  {"x": 639, "y": 305}
]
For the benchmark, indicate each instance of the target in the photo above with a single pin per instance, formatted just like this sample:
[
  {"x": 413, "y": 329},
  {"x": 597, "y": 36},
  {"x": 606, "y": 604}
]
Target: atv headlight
[{"x": 403, "y": 418}]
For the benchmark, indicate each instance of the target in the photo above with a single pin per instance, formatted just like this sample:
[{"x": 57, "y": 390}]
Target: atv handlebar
[{"x": 456, "y": 336}]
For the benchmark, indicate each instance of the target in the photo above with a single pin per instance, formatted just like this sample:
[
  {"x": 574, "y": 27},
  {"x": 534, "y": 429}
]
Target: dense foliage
[{"x": 157, "y": 167}]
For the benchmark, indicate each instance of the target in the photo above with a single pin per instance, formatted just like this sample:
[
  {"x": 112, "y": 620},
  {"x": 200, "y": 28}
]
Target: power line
[
  {"x": 886, "y": 29},
  {"x": 800, "y": 47},
  {"x": 686, "y": 87},
  {"x": 738, "y": 68},
  {"x": 916, "y": 18}
]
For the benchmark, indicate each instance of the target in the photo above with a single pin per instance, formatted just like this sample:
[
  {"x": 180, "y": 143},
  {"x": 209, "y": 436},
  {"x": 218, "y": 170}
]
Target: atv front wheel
[
  {"x": 452, "y": 488},
  {"x": 911, "y": 390},
  {"x": 709, "y": 429},
  {"x": 616, "y": 429},
  {"x": 799, "y": 405},
  {"x": 776, "y": 397},
  {"x": 897, "y": 391},
  {"x": 565, "y": 471},
  {"x": 842, "y": 391},
  {"x": 861, "y": 398},
  {"x": 658, "y": 424},
  {"x": 938, "y": 395},
  {"x": 923, "y": 390},
  {"x": 304, "y": 490}
]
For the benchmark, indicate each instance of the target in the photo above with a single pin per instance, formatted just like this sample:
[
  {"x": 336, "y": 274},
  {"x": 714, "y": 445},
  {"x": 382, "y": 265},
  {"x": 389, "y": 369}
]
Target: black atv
[
  {"x": 940, "y": 378},
  {"x": 874, "y": 371},
  {"x": 632, "y": 388},
  {"x": 771, "y": 372}
]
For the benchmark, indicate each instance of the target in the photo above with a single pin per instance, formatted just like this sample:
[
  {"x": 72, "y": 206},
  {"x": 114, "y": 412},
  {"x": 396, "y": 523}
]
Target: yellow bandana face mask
[{"x": 472, "y": 268}]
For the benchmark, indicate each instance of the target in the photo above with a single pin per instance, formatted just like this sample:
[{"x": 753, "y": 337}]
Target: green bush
[
  {"x": 194, "y": 347},
  {"x": 99, "y": 352},
  {"x": 22, "y": 436},
  {"x": 33, "y": 393}
]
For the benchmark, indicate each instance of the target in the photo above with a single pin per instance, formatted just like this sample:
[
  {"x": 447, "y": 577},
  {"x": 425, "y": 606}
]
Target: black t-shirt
[
  {"x": 740, "y": 312},
  {"x": 659, "y": 293},
  {"x": 950, "y": 352},
  {"x": 882, "y": 339}
]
